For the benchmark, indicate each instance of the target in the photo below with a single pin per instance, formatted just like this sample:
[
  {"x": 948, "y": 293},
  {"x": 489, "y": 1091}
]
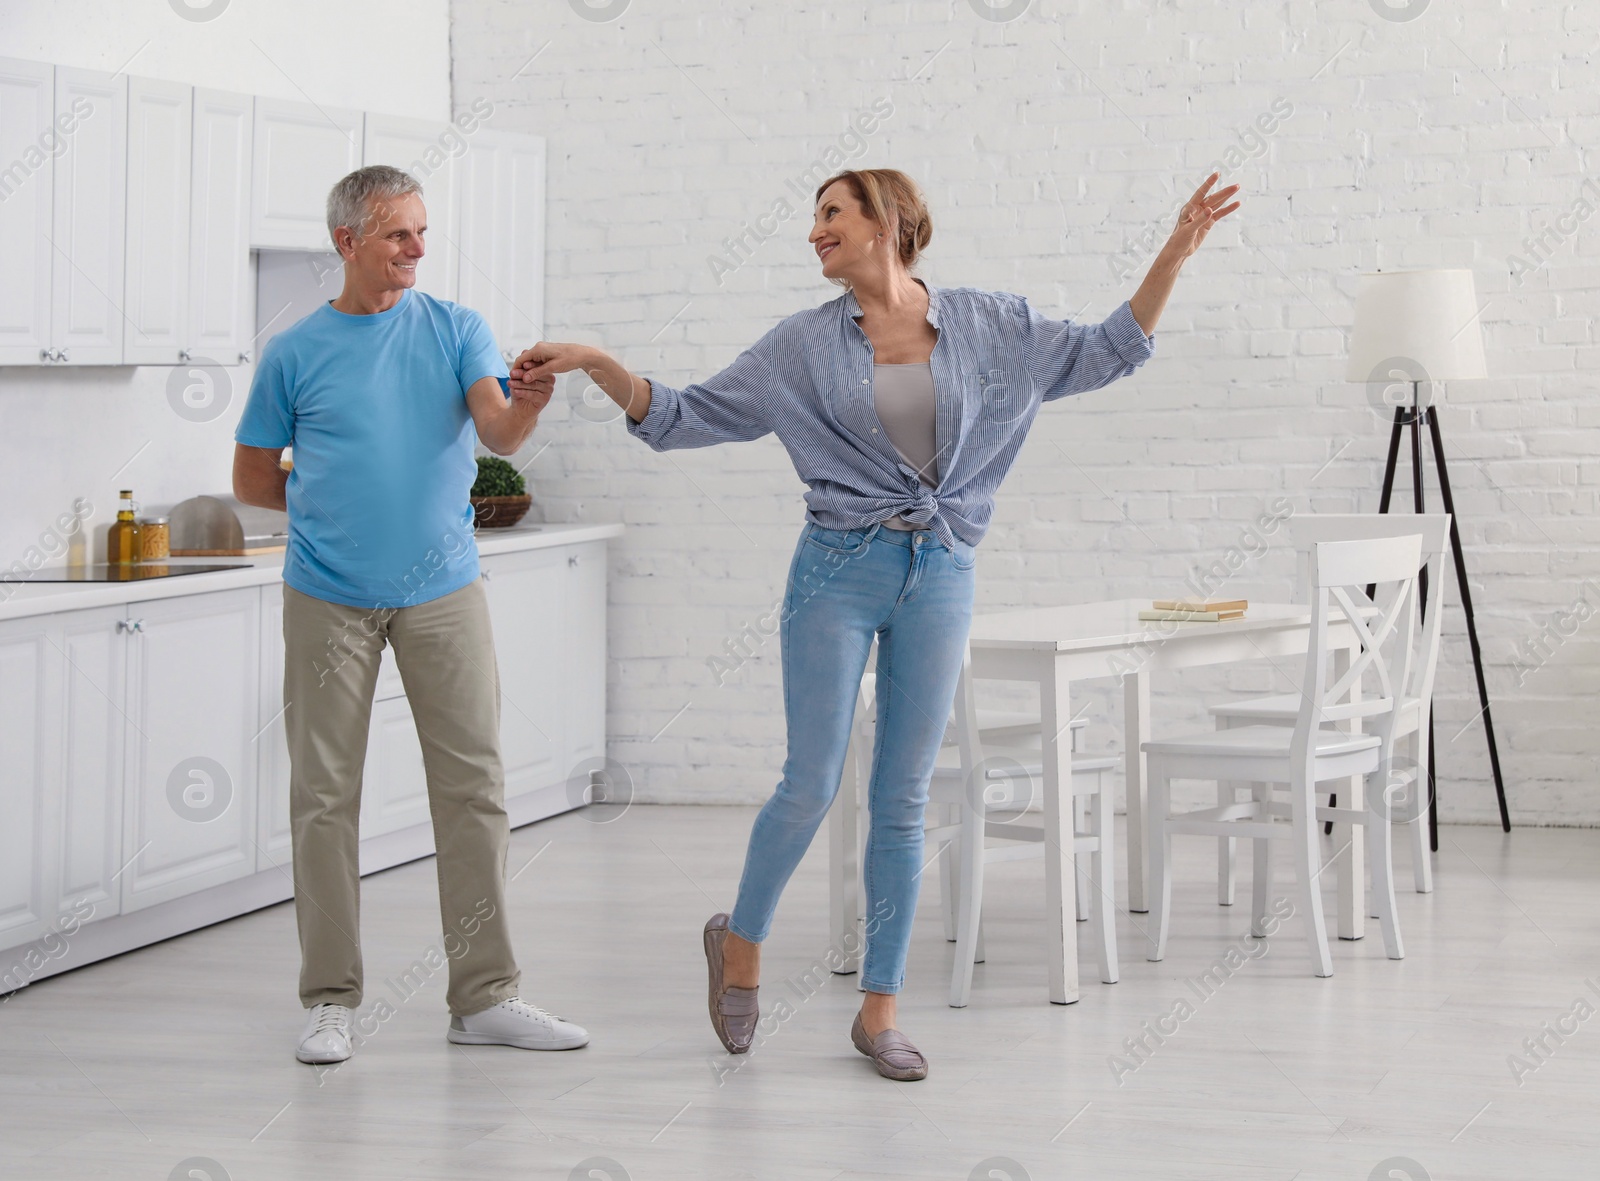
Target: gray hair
[{"x": 348, "y": 200}]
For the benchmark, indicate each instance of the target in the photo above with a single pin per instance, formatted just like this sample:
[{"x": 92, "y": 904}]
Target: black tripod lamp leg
[{"x": 1472, "y": 626}]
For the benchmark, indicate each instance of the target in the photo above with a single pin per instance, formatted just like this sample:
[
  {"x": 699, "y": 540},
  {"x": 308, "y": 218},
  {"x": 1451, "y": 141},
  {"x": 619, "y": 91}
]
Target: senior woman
[{"x": 902, "y": 406}]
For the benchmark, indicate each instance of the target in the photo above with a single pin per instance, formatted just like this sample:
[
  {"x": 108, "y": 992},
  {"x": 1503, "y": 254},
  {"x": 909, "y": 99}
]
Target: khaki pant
[{"x": 445, "y": 652}]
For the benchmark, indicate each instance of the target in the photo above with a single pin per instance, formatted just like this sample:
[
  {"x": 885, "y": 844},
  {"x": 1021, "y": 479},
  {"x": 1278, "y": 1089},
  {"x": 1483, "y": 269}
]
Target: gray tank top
[{"x": 904, "y": 399}]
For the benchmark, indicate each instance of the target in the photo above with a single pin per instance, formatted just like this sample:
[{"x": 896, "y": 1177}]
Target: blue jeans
[{"x": 844, "y": 587}]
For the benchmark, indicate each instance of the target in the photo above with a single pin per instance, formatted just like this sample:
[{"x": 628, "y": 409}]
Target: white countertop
[{"x": 21, "y": 599}]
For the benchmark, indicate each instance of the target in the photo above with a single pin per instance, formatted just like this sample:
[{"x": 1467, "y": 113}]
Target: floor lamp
[{"x": 1413, "y": 328}]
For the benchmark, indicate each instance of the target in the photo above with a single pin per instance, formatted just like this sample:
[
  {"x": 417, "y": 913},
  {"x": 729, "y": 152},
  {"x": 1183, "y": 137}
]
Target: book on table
[{"x": 1194, "y": 610}]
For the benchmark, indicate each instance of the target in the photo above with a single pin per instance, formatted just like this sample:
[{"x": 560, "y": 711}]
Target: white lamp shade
[{"x": 1429, "y": 318}]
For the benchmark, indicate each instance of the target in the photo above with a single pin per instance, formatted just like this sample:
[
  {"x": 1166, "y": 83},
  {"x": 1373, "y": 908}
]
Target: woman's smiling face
[{"x": 845, "y": 236}]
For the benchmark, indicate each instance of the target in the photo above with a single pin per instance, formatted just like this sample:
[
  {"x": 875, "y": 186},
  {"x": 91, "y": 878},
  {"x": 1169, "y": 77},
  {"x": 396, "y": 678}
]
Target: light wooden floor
[{"x": 184, "y": 1050}]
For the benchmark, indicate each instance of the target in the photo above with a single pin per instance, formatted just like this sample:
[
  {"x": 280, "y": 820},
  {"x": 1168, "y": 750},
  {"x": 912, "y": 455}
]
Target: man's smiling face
[{"x": 382, "y": 253}]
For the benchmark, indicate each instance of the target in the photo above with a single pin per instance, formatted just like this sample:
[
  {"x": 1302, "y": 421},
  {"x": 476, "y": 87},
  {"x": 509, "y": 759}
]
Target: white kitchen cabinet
[
  {"x": 221, "y": 295},
  {"x": 413, "y": 146},
  {"x": 300, "y": 151},
  {"x": 116, "y": 835},
  {"x": 27, "y": 752},
  {"x": 160, "y": 151},
  {"x": 61, "y": 747},
  {"x": 188, "y": 251},
  {"x": 501, "y": 197},
  {"x": 29, "y": 143},
  {"x": 63, "y": 151},
  {"x": 192, "y": 705},
  {"x": 88, "y": 221},
  {"x": 582, "y": 669},
  {"x": 274, "y": 841},
  {"x": 527, "y": 612},
  {"x": 95, "y": 733}
]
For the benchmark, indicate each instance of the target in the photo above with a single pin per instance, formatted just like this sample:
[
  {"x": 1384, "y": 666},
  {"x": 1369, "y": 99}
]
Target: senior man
[{"x": 379, "y": 393}]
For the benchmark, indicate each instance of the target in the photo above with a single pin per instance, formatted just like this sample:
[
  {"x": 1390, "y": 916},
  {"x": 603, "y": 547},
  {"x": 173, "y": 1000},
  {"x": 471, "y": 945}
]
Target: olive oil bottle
[{"x": 122, "y": 538}]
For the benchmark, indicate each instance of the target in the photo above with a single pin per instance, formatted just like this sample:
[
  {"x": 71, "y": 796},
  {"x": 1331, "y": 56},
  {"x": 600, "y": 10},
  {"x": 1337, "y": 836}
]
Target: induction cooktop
[{"x": 138, "y": 572}]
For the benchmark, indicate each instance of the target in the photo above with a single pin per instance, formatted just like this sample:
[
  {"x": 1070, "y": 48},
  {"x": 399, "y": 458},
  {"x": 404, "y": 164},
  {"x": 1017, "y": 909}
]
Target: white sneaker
[
  {"x": 514, "y": 1022},
  {"x": 326, "y": 1037}
]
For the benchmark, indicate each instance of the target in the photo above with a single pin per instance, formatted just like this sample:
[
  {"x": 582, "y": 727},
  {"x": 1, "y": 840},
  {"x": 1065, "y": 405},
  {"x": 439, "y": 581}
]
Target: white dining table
[{"x": 1053, "y": 647}]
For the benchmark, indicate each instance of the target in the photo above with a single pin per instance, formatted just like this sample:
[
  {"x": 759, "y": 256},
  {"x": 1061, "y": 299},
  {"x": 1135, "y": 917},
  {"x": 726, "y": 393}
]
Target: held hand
[
  {"x": 546, "y": 359},
  {"x": 1202, "y": 211},
  {"x": 531, "y": 395}
]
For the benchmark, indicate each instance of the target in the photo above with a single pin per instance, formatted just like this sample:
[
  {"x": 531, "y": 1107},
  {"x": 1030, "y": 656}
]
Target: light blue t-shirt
[{"x": 375, "y": 408}]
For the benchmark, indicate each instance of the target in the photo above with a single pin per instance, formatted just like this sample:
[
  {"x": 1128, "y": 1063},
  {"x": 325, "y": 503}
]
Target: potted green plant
[{"x": 499, "y": 496}]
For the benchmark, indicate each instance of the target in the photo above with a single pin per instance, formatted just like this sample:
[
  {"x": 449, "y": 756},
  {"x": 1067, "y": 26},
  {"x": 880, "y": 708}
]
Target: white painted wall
[
  {"x": 1047, "y": 146},
  {"x": 71, "y": 433}
]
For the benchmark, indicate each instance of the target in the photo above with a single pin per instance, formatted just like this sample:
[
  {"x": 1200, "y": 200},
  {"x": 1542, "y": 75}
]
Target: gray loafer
[
  {"x": 891, "y": 1052},
  {"x": 734, "y": 1011}
]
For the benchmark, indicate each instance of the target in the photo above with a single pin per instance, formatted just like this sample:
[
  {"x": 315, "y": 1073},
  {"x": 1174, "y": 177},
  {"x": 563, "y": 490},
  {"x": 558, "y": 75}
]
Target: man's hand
[{"x": 530, "y": 397}]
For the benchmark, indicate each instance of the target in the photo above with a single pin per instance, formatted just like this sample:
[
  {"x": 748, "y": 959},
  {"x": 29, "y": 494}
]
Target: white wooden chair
[
  {"x": 1414, "y": 770},
  {"x": 981, "y": 790},
  {"x": 1311, "y": 754}
]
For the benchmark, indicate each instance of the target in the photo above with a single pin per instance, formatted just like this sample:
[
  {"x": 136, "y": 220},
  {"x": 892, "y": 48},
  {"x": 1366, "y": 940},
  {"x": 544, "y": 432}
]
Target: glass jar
[{"x": 155, "y": 534}]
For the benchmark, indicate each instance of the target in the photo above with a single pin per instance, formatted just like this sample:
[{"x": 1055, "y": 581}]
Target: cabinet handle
[
  {"x": 572, "y": 560},
  {"x": 244, "y": 357},
  {"x": 130, "y": 625},
  {"x": 487, "y": 574},
  {"x": 61, "y": 355},
  {"x": 183, "y": 356},
  {"x": 47, "y": 355}
]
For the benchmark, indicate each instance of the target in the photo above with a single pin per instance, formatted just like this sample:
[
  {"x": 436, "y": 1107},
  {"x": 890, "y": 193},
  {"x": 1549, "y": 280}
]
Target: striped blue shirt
[{"x": 809, "y": 381}]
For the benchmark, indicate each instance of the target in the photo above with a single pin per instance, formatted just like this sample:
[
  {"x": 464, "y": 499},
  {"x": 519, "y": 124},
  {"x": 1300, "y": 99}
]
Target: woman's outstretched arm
[
  {"x": 1195, "y": 219},
  {"x": 546, "y": 359},
  {"x": 734, "y": 406}
]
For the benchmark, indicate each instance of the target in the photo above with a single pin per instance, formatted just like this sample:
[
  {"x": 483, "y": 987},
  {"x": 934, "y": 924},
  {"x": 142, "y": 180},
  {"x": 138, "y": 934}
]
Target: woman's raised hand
[{"x": 1199, "y": 213}]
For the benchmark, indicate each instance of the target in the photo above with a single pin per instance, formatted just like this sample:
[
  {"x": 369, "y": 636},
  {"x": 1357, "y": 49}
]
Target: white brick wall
[{"x": 1047, "y": 146}]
